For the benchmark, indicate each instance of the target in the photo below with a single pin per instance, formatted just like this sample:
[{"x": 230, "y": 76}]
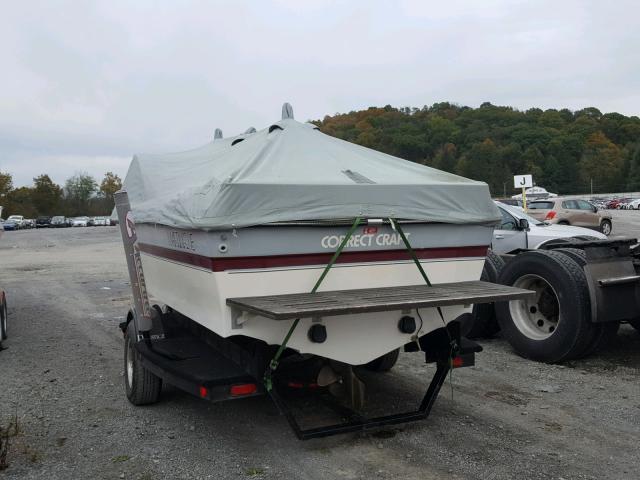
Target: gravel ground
[{"x": 61, "y": 374}]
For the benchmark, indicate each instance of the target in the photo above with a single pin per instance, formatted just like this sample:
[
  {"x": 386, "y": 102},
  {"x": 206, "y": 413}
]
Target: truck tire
[
  {"x": 603, "y": 333},
  {"x": 384, "y": 363},
  {"x": 554, "y": 326},
  {"x": 484, "y": 323},
  {"x": 142, "y": 387},
  {"x": 635, "y": 323},
  {"x": 3, "y": 320}
]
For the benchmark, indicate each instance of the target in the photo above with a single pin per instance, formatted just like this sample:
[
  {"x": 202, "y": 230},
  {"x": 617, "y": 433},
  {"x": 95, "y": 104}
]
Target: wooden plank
[{"x": 344, "y": 302}]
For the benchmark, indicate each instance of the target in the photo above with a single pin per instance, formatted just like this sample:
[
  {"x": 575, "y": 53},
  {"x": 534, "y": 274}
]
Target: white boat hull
[{"x": 200, "y": 292}]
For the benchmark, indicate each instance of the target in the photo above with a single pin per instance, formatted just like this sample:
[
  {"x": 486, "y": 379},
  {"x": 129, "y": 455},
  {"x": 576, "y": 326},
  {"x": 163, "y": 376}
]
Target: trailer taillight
[
  {"x": 204, "y": 392},
  {"x": 551, "y": 215},
  {"x": 243, "y": 389},
  {"x": 457, "y": 362}
]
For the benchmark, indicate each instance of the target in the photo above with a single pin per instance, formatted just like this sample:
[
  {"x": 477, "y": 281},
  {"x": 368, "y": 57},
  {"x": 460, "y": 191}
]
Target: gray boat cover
[{"x": 292, "y": 171}]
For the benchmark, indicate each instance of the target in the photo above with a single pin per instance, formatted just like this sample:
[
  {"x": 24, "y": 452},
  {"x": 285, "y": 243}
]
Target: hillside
[{"x": 565, "y": 151}]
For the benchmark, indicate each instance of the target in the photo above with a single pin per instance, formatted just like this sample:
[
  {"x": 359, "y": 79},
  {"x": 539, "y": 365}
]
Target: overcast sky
[{"x": 84, "y": 85}]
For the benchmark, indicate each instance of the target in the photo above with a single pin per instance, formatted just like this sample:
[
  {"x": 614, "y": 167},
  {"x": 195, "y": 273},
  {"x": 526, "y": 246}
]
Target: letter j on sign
[{"x": 522, "y": 181}]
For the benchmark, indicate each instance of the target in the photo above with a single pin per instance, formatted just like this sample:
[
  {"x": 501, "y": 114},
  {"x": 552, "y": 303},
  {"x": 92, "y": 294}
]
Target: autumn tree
[{"x": 110, "y": 184}]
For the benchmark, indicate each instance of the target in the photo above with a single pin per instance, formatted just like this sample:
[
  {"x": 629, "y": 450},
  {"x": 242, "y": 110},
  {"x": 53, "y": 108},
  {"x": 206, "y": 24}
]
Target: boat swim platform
[{"x": 366, "y": 300}]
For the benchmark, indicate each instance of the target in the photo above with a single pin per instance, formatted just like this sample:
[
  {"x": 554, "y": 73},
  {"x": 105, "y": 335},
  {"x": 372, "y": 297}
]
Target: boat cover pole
[{"x": 142, "y": 317}]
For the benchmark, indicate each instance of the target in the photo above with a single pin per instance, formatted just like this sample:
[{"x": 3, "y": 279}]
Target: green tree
[
  {"x": 559, "y": 147},
  {"x": 46, "y": 195},
  {"x": 601, "y": 162},
  {"x": 20, "y": 202},
  {"x": 78, "y": 190},
  {"x": 6, "y": 183}
]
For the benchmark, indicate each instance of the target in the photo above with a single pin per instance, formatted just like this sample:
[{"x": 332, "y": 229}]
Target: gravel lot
[{"x": 61, "y": 374}]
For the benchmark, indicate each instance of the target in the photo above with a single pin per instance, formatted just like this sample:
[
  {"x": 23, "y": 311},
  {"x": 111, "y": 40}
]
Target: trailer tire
[
  {"x": 141, "y": 386},
  {"x": 483, "y": 316},
  {"x": 556, "y": 325},
  {"x": 384, "y": 363},
  {"x": 3, "y": 319}
]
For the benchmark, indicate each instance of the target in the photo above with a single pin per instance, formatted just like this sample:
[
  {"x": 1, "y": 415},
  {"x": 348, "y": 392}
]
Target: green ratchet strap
[
  {"x": 397, "y": 228},
  {"x": 273, "y": 364},
  {"x": 452, "y": 344}
]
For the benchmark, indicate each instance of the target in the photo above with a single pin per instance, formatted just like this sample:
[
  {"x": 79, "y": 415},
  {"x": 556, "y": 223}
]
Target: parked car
[
  {"x": 514, "y": 202},
  {"x": 80, "y": 222},
  {"x": 29, "y": 223},
  {"x": 59, "y": 221},
  {"x": 43, "y": 222},
  {"x": 101, "y": 222},
  {"x": 579, "y": 213},
  {"x": 10, "y": 224},
  {"x": 634, "y": 204},
  {"x": 17, "y": 219},
  {"x": 518, "y": 230}
]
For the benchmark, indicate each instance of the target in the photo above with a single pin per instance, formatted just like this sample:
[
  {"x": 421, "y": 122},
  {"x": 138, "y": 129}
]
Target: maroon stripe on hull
[{"x": 297, "y": 260}]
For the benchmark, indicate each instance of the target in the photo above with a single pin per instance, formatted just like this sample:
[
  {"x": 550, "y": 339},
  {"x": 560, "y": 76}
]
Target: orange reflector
[
  {"x": 295, "y": 385},
  {"x": 243, "y": 389},
  {"x": 203, "y": 392},
  {"x": 457, "y": 362}
]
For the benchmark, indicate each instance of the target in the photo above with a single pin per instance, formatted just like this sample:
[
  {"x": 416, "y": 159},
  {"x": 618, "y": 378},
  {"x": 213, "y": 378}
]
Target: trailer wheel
[
  {"x": 142, "y": 386},
  {"x": 384, "y": 363},
  {"x": 555, "y": 325},
  {"x": 483, "y": 316},
  {"x": 3, "y": 320}
]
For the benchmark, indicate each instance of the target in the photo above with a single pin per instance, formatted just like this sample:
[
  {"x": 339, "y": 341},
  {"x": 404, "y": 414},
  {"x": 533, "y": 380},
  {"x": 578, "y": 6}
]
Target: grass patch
[
  {"x": 254, "y": 471},
  {"x": 120, "y": 458}
]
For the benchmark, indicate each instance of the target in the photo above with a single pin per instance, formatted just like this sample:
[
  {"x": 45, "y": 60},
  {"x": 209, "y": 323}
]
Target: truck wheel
[
  {"x": 142, "y": 386},
  {"x": 3, "y": 320},
  {"x": 385, "y": 362},
  {"x": 635, "y": 323},
  {"x": 555, "y": 325},
  {"x": 484, "y": 323},
  {"x": 605, "y": 227}
]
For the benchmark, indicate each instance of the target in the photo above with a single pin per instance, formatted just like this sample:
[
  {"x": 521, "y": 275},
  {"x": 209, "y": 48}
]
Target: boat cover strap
[{"x": 273, "y": 364}]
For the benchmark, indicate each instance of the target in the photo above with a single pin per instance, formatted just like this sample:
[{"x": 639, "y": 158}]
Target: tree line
[
  {"x": 80, "y": 195},
  {"x": 566, "y": 152}
]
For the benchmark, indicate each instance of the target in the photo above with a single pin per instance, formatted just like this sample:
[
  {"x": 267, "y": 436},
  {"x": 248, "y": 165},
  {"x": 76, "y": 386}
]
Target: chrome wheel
[
  {"x": 537, "y": 318},
  {"x": 606, "y": 228}
]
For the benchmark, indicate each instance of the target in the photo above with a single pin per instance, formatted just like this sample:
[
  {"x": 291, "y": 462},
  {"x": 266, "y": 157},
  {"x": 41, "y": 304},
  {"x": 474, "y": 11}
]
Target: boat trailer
[{"x": 164, "y": 345}]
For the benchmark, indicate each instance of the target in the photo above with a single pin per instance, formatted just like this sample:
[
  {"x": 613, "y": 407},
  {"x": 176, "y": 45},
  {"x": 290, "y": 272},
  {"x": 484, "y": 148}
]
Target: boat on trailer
[{"x": 293, "y": 243}]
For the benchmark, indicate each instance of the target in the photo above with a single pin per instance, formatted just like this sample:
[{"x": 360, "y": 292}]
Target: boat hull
[{"x": 195, "y": 272}]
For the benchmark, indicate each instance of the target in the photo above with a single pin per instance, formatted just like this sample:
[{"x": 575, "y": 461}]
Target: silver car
[{"x": 517, "y": 230}]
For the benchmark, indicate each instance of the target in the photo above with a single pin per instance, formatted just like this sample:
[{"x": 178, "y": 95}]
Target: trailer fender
[{"x": 124, "y": 326}]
